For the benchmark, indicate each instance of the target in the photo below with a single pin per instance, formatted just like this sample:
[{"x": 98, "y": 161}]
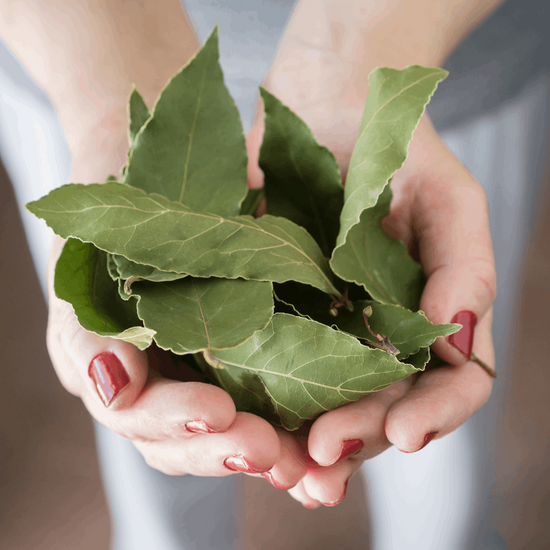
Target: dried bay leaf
[
  {"x": 308, "y": 368},
  {"x": 408, "y": 331},
  {"x": 252, "y": 201},
  {"x": 152, "y": 230},
  {"x": 395, "y": 103},
  {"x": 378, "y": 262},
  {"x": 192, "y": 315},
  {"x": 302, "y": 178},
  {"x": 192, "y": 149},
  {"x": 138, "y": 115},
  {"x": 82, "y": 279}
]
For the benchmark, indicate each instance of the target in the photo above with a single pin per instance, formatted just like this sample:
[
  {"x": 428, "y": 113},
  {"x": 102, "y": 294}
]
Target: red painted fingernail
[
  {"x": 463, "y": 340},
  {"x": 199, "y": 427},
  {"x": 309, "y": 506},
  {"x": 238, "y": 463},
  {"x": 350, "y": 447},
  {"x": 428, "y": 438},
  {"x": 340, "y": 499},
  {"x": 109, "y": 376},
  {"x": 269, "y": 477}
]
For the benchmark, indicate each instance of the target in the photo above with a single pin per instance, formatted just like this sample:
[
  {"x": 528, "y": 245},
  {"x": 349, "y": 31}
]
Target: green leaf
[
  {"x": 308, "y": 368},
  {"x": 302, "y": 178},
  {"x": 82, "y": 279},
  {"x": 408, "y": 331},
  {"x": 380, "y": 263},
  {"x": 192, "y": 150},
  {"x": 132, "y": 272},
  {"x": 252, "y": 201},
  {"x": 420, "y": 359},
  {"x": 246, "y": 389},
  {"x": 151, "y": 230},
  {"x": 395, "y": 103},
  {"x": 138, "y": 115},
  {"x": 192, "y": 315}
]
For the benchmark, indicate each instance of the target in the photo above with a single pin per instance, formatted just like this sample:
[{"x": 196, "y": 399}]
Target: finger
[
  {"x": 291, "y": 466},
  {"x": 459, "y": 265},
  {"x": 110, "y": 372},
  {"x": 168, "y": 409},
  {"x": 250, "y": 445},
  {"x": 442, "y": 205},
  {"x": 300, "y": 494},
  {"x": 329, "y": 485},
  {"x": 442, "y": 399},
  {"x": 356, "y": 429}
]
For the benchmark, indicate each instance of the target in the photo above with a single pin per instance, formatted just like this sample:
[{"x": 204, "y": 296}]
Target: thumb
[{"x": 451, "y": 222}]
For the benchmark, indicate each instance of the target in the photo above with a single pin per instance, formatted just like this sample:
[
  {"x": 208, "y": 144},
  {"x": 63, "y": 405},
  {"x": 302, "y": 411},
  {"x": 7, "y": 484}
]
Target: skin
[{"x": 87, "y": 54}]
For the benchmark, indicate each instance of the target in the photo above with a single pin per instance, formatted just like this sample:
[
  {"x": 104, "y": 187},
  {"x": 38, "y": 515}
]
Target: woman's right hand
[{"x": 179, "y": 427}]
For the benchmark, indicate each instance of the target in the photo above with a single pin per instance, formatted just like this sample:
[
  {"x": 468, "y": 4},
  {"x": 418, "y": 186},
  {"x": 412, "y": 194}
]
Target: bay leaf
[
  {"x": 420, "y": 359},
  {"x": 82, "y": 279},
  {"x": 308, "y": 368},
  {"x": 132, "y": 271},
  {"x": 395, "y": 103},
  {"x": 302, "y": 178},
  {"x": 378, "y": 262},
  {"x": 245, "y": 388},
  {"x": 192, "y": 150},
  {"x": 251, "y": 202},
  {"x": 152, "y": 230},
  {"x": 407, "y": 330},
  {"x": 191, "y": 315},
  {"x": 138, "y": 115}
]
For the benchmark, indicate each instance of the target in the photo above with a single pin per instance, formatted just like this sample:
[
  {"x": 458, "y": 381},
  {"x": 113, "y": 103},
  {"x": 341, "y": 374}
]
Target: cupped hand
[
  {"x": 179, "y": 427},
  {"x": 440, "y": 211}
]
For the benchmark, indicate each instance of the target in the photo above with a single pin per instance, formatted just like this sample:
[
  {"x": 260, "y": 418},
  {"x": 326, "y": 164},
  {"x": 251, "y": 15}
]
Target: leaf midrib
[{"x": 202, "y": 215}]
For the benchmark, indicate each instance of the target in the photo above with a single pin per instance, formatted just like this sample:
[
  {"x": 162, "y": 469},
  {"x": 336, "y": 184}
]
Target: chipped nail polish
[
  {"x": 341, "y": 498},
  {"x": 269, "y": 477},
  {"x": 199, "y": 427},
  {"x": 350, "y": 447},
  {"x": 238, "y": 463}
]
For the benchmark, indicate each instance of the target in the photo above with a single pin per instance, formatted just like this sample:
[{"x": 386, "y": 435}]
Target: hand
[
  {"x": 179, "y": 427},
  {"x": 440, "y": 211}
]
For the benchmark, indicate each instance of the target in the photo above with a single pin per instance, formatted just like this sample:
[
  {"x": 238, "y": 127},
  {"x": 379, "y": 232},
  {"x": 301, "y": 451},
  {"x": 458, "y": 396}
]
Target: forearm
[
  {"x": 87, "y": 54},
  {"x": 394, "y": 33}
]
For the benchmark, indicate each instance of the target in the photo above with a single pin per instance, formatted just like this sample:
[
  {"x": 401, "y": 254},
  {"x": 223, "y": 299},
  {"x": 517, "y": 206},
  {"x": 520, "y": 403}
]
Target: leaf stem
[
  {"x": 383, "y": 341},
  {"x": 483, "y": 365}
]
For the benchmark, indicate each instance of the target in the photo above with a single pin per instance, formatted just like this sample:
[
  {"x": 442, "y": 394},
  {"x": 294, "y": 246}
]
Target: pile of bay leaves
[{"x": 294, "y": 313}]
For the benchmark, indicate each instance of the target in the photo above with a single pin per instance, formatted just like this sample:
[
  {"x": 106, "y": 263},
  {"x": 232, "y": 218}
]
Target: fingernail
[
  {"x": 109, "y": 376},
  {"x": 350, "y": 447},
  {"x": 238, "y": 463},
  {"x": 463, "y": 340},
  {"x": 199, "y": 427},
  {"x": 428, "y": 438},
  {"x": 309, "y": 506},
  {"x": 269, "y": 477},
  {"x": 340, "y": 499}
]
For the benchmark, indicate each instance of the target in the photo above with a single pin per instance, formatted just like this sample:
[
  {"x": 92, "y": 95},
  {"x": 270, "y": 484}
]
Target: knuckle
[{"x": 485, "y": 274}]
